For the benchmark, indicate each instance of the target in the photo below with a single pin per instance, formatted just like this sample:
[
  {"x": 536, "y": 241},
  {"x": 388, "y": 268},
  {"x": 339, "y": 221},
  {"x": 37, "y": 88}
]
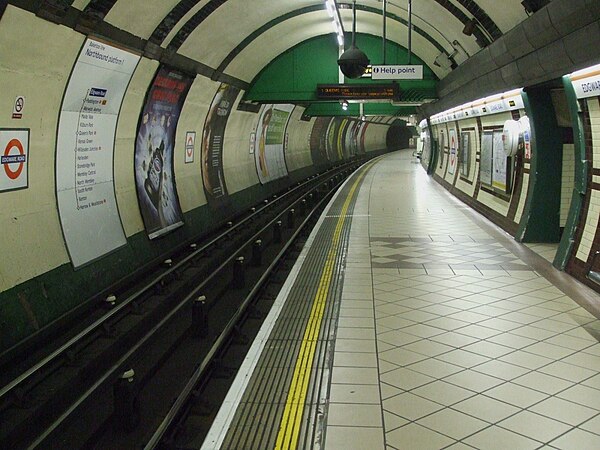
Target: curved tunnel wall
[{"x": 37, "y": 281}]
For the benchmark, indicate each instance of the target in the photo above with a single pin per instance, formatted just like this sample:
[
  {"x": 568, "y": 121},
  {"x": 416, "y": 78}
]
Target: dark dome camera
[{"x": 353, "y": 62}]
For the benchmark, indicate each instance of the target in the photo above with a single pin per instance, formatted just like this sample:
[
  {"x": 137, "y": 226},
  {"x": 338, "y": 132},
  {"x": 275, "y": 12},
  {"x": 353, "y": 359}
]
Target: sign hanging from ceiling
[
  {"x": 358, "y": 91},
  {"x": 395, "y": 72}
]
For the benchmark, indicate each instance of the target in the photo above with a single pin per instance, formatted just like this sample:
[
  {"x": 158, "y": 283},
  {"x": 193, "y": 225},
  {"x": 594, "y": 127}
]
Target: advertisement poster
[
  {"x": 153, "y": 162},
  {"x": 500, "y": 167},
  {"x": 363, "y": 133},
  {"x": 485, "y": 166},
  {"x": 341, "y": 139},
  {"x": 426, "y": 155},
  {"x": 355, "y": 137},
  {"x": 14, "y": 159},
  {"x": 318, "y": 140},
  {"x": 465, "y": 153},
  {"x": 352, "y": 138},
  {"x": 333, "y": 139},
  {"x": 270, "y": 142},
  {"x": 213, "y": 178},
  {"x": 85, "y": 148}
]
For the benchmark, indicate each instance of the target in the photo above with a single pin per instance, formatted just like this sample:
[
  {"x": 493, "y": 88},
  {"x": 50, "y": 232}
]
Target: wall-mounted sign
[
  {"x": 14, "y": 158},
  {"x": 396, "y": 72},
  {"x": 358, "y": 91},
  {"x": 526, "y": 130},
  {"x": 587, "y": 84},
  {"x": 509, "y": 101},
  {"x": 18, "y": 107},
  {"x": 85, "y": 190},
  {"x": 252, "y": 142},
  {"x": 190, "y": 146}
]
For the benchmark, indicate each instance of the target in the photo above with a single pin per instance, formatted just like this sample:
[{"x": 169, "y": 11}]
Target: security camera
[{"x": 353, "y": 62}]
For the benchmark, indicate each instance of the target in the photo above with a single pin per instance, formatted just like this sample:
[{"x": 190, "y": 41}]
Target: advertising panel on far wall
[
  {"x": 318, "y": 140},
  {"x": 341, "y": 139},
  {"x": 154, "y": 148},
  {"x": 87, "y": 124},
  {"x": 362, "y": 137},
  {"x": 213, "y": 178},
  {"x": 333, "y": 139},
  {"x": 500, "y": 167},
  {"x": 354, "y": 136},
  {"x": 270, "y": 140}
]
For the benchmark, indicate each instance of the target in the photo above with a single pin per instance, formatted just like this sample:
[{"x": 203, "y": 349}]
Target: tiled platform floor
[{"x": 447, "y": 340}]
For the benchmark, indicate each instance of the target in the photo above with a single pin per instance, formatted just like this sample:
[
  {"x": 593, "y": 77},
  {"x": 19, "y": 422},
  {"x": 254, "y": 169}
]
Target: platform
[{"x": 409, "y": 321}]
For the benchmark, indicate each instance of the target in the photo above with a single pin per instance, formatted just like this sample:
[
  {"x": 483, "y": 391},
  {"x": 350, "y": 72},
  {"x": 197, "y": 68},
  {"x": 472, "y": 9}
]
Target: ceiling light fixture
[{"x": 336, "y": 20}]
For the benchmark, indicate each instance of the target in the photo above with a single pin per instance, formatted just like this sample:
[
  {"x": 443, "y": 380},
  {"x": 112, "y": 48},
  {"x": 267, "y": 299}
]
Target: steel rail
[
  {"x": 148, "y": 336},
  {"x": 134, "y": 296},
  {"x": 222, "y": 339}
]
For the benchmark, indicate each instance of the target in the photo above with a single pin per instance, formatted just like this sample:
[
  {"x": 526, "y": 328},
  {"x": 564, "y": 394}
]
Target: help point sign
[{"x": 408, "y": 72}]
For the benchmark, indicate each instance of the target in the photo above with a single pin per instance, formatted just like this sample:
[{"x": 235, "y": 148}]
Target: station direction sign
[
  {"x": 358, "y": 91},
  {"x": 397, "y": 72}
]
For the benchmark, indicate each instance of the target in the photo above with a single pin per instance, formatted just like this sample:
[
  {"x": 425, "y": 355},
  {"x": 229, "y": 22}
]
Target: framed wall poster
[
  {"x": 213, "y": 137},
  {"x": 154, "y": 150},
  {"x": 501, "y": 169},
  {"x": 464, "y": 160},
  {"x": 485, "y": 165}
]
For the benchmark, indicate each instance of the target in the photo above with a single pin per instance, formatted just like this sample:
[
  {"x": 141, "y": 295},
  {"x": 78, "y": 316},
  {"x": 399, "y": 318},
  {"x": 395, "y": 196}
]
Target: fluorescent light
[
  {"x": 329, "y": 7},
  {"x": 336, "y": 21},
  {"x": 586, "y": 71}
]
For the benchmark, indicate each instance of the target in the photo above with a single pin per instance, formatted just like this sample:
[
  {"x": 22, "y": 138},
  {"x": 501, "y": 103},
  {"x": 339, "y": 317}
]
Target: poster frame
[{"x": 56, "y": 135}]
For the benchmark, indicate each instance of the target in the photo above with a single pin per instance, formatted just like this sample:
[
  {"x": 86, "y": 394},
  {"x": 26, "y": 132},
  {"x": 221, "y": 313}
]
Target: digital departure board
[{"x": 357, "y": 91}]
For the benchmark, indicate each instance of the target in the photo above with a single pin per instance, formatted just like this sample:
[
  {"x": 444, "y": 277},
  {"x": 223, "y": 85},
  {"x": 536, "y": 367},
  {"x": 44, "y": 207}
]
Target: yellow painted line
[{"x": 291, "y": 422}]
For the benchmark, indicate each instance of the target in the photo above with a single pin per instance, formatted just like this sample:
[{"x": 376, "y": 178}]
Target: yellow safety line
[{"x": 289, "y": 429}]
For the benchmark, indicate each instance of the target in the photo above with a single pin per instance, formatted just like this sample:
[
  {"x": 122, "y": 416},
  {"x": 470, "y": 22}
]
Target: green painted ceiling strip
[{"x": 292, "y": 77}]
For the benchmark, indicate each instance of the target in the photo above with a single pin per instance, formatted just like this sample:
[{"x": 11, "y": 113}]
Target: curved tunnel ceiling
[{"x": 241, "y": 37}]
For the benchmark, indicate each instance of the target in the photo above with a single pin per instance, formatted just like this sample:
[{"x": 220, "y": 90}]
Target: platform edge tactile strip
[{"x": 257, "y": 422}]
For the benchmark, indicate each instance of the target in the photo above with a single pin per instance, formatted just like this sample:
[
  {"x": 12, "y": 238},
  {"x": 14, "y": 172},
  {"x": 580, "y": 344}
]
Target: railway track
[{"x": 135, "y": 374}]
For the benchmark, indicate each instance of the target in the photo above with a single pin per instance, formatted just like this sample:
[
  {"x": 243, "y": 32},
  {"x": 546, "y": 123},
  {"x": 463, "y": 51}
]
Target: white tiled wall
[
  {"x": 594, "y": 108},
  {"x": 591, "y": 221}
]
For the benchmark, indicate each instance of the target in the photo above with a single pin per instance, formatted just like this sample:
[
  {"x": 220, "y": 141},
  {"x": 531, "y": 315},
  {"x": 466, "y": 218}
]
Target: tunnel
[{"x": 135, "y": 129}]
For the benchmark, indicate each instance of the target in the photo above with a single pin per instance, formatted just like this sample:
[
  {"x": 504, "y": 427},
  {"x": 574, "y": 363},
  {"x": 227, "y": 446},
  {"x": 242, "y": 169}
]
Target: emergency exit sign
[{"x": 388, "y": 72}]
